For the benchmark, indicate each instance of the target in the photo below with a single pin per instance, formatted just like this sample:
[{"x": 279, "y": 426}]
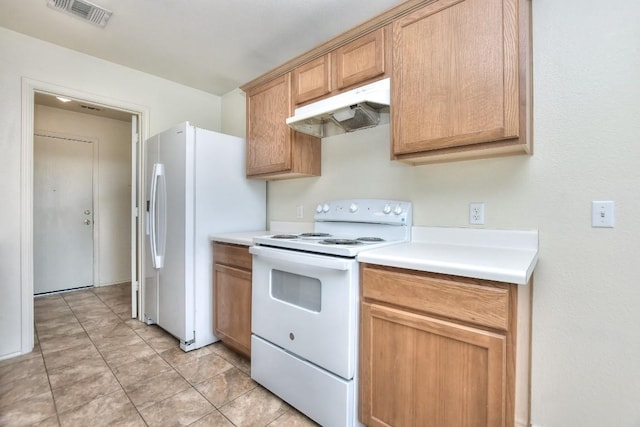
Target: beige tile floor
[{"x": 93, "y": 365}]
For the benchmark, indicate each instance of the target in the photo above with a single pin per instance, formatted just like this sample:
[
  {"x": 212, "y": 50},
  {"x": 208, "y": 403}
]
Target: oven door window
[{"x": 300, "y": 291}]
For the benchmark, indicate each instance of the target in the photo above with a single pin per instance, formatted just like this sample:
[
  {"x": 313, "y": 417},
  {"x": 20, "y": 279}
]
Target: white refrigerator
[{"x": 195, "y": 185}]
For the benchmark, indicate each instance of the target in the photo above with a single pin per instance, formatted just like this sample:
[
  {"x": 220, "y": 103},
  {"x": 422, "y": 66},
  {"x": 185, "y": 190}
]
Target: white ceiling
[
  {"x": 80, "y": 106},
  {"x": 212, "y": 45}
]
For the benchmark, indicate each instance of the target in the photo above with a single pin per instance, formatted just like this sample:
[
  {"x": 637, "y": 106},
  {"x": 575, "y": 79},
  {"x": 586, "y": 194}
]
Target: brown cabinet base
[
  {"x": 422, "y": 364},
  {"x": 232, "y": 296}
]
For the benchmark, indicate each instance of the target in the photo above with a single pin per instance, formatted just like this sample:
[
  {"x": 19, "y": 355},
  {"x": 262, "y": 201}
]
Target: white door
[{"x": 62, "y": 214}]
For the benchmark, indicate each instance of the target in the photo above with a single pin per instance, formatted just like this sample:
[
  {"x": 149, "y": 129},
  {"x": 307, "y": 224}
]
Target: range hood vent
[
  {"x": 82, "y": 9},
  {"x": 347, "y": 112}
]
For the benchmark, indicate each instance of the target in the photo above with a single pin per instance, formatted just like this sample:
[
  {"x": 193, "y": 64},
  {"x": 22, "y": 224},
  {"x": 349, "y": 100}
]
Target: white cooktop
[
  {"x": 348, "y": 227},
  {"x": 346, "y": 246}
]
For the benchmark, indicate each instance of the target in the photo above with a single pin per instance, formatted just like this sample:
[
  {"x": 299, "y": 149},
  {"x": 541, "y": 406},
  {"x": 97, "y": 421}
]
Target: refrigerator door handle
[{"x": 157, "y": 215}]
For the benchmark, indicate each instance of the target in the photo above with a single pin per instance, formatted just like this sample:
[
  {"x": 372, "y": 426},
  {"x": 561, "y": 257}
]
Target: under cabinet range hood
[{"x": 346, "y": 112}]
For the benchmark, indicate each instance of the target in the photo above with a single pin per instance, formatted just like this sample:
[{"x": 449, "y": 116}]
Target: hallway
[{"x": 94, "y": 365}]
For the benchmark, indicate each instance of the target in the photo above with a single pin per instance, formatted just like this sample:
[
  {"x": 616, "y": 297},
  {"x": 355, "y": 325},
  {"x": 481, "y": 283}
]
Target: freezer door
[
  {"x": 175, "y": 288},
  {"x": 150, "y": 283}
]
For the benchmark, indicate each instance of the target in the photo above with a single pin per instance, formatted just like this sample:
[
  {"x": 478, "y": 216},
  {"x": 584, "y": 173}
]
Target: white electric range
[{"x": 305, "y": 305}]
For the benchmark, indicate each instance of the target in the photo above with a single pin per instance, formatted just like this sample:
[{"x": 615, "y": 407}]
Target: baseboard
[{"x": 119, "y": 282}]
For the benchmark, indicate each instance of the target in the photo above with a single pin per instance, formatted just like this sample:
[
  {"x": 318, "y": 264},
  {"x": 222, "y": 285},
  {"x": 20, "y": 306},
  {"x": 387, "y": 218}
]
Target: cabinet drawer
[
  {"x": 234, "y": 255},
  {"x": 468, "y": 301}
]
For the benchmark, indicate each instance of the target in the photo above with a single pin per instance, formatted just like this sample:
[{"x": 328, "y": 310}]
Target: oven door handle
[{"x": 293, "y": 257}]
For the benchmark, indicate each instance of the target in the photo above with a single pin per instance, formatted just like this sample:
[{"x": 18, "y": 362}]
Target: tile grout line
[
  {"x": 107, "y": 363},
  {"x": 46, "y": 372},
  {"x": 169, "y": 364},
  {"x": 55, "y": 405},
  {"x": 102, "y": 357},
  {"x": 111, "y": 300},
  {"x": 192, "y": 386}
]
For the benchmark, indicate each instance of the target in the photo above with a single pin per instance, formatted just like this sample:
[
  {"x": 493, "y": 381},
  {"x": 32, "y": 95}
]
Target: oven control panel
[{"x": 381, "y": 211}]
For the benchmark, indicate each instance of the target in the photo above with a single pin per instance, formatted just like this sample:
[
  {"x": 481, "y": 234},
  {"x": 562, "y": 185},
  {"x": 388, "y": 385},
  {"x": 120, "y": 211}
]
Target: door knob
[{"x": 87, "y": 221}]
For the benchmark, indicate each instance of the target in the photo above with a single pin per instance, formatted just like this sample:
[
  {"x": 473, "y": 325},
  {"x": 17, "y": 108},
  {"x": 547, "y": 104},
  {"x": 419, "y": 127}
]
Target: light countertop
[
  {"x": 246, "y": 237},
  {"x": 242, "y": 238},
  {"x": 501, "y": 255}
]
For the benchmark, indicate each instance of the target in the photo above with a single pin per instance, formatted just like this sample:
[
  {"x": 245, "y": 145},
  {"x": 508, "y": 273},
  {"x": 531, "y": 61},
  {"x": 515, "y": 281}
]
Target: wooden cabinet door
[
  {"x": 274, "y": 150},
  {"x": 311, "y": 80},
  {"x": 232, "y": 293},
  {"x": 421, "y": 371},
  {"x": 455, "y": 75},
  {"x": 268, "y": 136},
  {"x": 360, "y": 60}
]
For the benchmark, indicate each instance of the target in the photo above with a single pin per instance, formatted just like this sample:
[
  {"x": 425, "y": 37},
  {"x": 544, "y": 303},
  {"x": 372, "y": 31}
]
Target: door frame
[
  {"x": 28, "y": 90},
  {"x": 95, "y": 208}
]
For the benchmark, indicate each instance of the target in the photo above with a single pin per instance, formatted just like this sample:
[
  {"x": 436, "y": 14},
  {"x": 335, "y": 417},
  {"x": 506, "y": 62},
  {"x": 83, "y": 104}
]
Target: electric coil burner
[
  {"x": 315, "y": 235},
  {"x": 284, "y": 236},
  {"x": 305, "y": 299},
  {"x": 340, "y": 242}
]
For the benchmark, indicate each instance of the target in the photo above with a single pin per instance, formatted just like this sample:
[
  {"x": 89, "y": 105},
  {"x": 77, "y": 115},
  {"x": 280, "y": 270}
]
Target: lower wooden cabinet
[
  {"x": 232, "y": 296},
  {"x": 421, "y": 367}
]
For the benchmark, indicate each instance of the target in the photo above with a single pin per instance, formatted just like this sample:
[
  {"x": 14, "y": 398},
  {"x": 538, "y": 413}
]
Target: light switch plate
[{"x": 602, "y": 214}]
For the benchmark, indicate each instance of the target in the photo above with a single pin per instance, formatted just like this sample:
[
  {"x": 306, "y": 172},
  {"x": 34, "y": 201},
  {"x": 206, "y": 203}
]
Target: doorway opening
[{"x": 42, "y": 96}]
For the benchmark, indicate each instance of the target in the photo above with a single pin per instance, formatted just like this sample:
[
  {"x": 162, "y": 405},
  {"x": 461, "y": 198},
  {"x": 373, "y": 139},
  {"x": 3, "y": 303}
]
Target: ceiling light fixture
[{"x": 82, "y": 9}]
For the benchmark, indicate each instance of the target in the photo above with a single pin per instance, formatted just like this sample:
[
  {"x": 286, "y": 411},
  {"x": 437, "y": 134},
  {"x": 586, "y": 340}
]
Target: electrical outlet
[
  {"x": 300, "y": 212},
  {"x": 476, "y": 213}
]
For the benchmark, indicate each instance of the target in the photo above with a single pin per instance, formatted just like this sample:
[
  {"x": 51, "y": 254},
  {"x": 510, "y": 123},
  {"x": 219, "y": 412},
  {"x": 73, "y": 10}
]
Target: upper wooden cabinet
[
  {"x": 274, "y": 150},
  {"x": 460, "y": 85},
  {"x": 460, "y": 80},
  {"x": 353, "y": 64},
  {"x": 311, "y": 80},
  {"x": 361, "y": 60}
]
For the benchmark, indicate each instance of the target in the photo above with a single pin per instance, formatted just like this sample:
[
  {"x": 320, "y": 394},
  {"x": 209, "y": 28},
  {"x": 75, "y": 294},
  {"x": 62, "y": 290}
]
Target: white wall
[
  {"x": 167, "y": 104},
  {"x": 233, "y": 123},
  {"x": 586, "y": 321},
  {"x": 113, "y": 198}
]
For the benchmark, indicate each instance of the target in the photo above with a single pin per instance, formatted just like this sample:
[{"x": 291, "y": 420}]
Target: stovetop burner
[
  {"x": 370, "y": 239},
  {"x": 340, "y": 242},
  {"x": 314, "y": 235},
  {"x": 284, "y": 236}
]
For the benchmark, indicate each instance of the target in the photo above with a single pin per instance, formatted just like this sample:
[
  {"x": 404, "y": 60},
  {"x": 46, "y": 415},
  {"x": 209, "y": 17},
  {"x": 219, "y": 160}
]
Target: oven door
[{"x": 307, "y": 304}]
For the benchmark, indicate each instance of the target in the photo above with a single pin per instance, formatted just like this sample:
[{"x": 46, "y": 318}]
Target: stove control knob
[
  {"x": 386, "y": 209},
  {"x": 397, "y": 210},
  {"x": 325, "y": 208},
  {"x": 319, "y": 209},
  {"x": 353, "y": 208}
]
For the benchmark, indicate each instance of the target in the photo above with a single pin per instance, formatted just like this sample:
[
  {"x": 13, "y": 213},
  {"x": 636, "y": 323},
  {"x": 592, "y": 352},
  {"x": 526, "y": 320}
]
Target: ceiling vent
[{"x": 82, "y": 9}]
